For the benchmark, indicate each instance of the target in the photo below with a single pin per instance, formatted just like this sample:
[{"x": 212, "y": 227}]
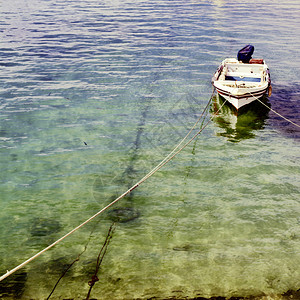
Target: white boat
[{"x": 241, "y": 82}]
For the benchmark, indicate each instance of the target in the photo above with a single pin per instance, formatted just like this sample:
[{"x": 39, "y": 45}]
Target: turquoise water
[{"x": 93, "y": 96}]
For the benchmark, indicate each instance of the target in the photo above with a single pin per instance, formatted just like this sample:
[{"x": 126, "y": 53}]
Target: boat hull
[{"x": 241, "y": 100}]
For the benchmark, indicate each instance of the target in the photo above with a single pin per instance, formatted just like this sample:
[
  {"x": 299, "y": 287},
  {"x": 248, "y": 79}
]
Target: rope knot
[{"x": 94, "y": 280}]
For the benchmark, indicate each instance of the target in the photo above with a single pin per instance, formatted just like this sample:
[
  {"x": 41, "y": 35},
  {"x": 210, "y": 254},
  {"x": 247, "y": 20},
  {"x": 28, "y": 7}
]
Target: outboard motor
[{"x": 245, "y": 54}]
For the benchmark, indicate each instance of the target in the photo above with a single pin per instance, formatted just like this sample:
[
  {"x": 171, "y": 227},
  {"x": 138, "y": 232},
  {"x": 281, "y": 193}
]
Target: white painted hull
[
  {"x": 240, "y": 83},
  {"x": 237, "y": 99}
]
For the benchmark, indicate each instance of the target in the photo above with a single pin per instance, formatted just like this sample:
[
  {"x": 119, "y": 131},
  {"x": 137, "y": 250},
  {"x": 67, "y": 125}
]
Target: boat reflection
[{"x": 241, "y": 124}]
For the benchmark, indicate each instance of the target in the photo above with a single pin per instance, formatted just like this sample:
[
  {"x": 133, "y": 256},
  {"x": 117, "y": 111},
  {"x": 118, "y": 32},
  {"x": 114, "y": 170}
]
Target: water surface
[{"x": 93, "y": 96}]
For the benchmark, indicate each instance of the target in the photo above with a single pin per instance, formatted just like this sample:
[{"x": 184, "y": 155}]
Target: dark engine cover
[{"x": 245, "y": 54}]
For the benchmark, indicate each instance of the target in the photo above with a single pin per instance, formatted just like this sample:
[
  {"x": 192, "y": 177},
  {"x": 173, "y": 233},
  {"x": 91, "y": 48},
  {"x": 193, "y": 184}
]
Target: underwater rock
[
  {"x": 13, "y": 286},
  {"x": 44, "y": 227},
  {"x": 14, "y": 157},
  {"x": 292, "y": 294},
  {"x": 124, "y": 214},
  {"x": 182, "y": 248}
]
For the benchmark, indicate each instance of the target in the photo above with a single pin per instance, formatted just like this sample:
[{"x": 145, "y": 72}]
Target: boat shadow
[
  {"x": 242, "y": 124},
  {"x": 286, "y": 102}
]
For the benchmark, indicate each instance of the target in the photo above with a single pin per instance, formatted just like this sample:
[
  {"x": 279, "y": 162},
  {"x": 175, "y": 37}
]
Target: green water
[{"x": 93, "y": 96}]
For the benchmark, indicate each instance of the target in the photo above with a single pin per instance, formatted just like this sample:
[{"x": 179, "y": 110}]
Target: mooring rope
[
  {"x": 275, "y": 112},
  {"x": 100, "y": 258},
  {"x": 169, "y": 157},
  {"x": 74, "y": 261}
]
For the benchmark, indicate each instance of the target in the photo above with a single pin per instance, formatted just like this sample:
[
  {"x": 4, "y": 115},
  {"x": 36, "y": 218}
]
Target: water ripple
[{"x": 94, "y": 94}]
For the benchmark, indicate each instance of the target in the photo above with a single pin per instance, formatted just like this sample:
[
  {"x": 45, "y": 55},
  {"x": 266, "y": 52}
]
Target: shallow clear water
[{"x": 94, "y": 95}]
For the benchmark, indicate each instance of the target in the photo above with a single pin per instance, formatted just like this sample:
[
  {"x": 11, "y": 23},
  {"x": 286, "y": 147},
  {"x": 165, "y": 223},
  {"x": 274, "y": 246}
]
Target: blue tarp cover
[{"x": 238, "y": 78}]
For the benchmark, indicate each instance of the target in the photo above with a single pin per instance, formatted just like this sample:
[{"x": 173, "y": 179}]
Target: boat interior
[
  {"x": 248, "y": 73},
  {"x": 237, "y": 72}
]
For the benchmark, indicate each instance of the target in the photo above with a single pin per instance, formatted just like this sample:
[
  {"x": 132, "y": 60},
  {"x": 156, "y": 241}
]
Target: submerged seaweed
[
  {"x": 124, "y": 214},
  {"x": 13, "y": 286},
  {"x": 44, "y": 227}
]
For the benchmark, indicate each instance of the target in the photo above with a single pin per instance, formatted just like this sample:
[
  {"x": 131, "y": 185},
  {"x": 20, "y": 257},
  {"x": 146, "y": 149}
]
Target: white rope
[
  {"x": 174, "y": 152},
  {"x": 170, "y": 156},
  {"x": 275, "y": 112}
]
